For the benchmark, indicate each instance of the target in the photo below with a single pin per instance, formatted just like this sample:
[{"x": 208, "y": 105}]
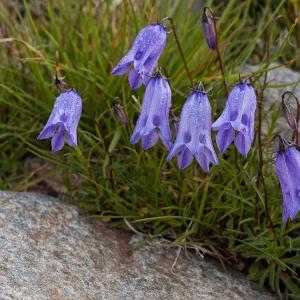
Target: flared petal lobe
[
  {"x": 143, "y": 55},
  {"x": 193, "y": 139},
  {"x": 238, "y": 116},
  {"x": 288, "y": 173},
  {"x": 63, "y": 121},
  {"x": 153, "y": 121}
]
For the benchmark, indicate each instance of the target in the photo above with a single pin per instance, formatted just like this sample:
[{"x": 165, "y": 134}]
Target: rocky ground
[
  {"x": 279, "y": 80},
  {"x": 49, "y": 251}
]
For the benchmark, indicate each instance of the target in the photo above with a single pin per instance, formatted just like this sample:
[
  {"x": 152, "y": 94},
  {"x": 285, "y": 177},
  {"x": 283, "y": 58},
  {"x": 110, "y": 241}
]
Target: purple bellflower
[
  {"x": 288, "y": 172},
  {"x": 238, "y": 115},
  {"x": 194, "y": 133},
  {"x": 153, "y": 123},
  {"x": 63, "y": 120},
  {"x": 144, "y": 54}
]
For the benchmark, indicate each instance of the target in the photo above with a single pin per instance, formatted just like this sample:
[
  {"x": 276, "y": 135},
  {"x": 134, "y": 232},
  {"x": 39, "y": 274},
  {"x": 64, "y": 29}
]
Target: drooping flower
[
  {"x": 63, "y": 121},
  {"x": 143, "y": 55},
  {"x": 194, "y": 133},
  {"x": 238, "y": 115},
  {"x": 288, "y": 172},
  {"x": 153, "y": 122},
  {"x": 209, "y": 30}
]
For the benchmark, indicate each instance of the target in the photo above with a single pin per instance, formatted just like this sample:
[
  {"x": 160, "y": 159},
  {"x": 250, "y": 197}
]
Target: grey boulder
[{"x": 49, "y": 251}]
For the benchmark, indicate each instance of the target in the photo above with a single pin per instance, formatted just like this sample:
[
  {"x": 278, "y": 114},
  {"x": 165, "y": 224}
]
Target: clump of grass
[{"x": 223, "y": 212}]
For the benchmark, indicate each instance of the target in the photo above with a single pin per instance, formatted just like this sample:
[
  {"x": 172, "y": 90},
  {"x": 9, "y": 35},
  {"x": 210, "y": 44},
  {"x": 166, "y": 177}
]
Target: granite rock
[
  {"x": 280, "y": 79},
  {"x": 49, "y": 251}
]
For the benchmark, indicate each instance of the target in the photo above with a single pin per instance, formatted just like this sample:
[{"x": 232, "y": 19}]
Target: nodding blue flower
[
  {"x": 63, "y": 121},
  {"x": 194, "y": 133},
  {"x": 144, "y": 54},
  {"x": 153, "y": 123},
  {"x": 238, "y": 115},
  {"x": 288, "y": 172}
]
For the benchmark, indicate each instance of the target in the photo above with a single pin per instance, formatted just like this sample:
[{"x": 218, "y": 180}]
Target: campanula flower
[
  {"x": 238, "y": 115},
  {"x": 153, "y": 123},
  {"x": 194, "y": 133},
  {"x": 288, "y": 172},
  {"x": 63, "y": 120},
  {"x": 209, "y": 30},
  {"x": 143, "y": 55}
]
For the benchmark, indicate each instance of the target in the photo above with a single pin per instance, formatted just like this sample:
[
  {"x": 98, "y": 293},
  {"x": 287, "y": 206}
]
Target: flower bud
[
  {"x": 120, "y": 114},
  {"x": 209, "y": 30},
  {"x": 289, "y": 116}
]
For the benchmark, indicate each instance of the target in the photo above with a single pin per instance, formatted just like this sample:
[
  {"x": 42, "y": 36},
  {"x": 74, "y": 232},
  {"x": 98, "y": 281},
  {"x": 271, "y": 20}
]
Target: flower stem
[
  {"x": 218, "y": 49},
  {"x": 260, "y": 175},
  {"x": 152, "y": 11},
  {"x": 221, "y": 67},
  {"x": 173, "y": 29}
]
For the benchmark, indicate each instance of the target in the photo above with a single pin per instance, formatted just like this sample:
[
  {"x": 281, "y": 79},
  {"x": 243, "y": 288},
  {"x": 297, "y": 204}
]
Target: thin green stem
[
  {"x": 217, "y": 48},
  {"x": 173, "y": 29},
  {"x": 260, "y": 175},
  {"x": 222, "y": 68}
]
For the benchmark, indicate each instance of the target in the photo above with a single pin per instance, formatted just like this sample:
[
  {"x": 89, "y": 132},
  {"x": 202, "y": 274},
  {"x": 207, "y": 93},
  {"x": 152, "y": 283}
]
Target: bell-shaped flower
[
  {"x": 63, "y": 121},
  {"x": 238, "y": 115},
  {"x": 153, "y": 122},
  {"x": 194, "y": 133},
  {"x": 288, "y": 172},
  {"x": 143, "y": 55}
]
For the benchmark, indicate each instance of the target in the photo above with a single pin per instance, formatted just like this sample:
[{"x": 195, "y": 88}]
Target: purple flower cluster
[
  {"x": 193, "y": 131},
  {"x": 193, "y": 139}
]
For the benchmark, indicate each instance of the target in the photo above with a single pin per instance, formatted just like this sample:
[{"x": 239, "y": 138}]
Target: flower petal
[
  {"x": 242, "y": 143},
  {"x": 135, "y": 79},
  {"x": 121, "y": 68},
  {"x": 149, "y": 140},
  {"x": 203, "y": 161},
  {"x": 47, "y": 132},
  {"x": 224, "y": 139},
  {"x": 185, "y": 158},
  {"x": 57, "y": 141}
]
